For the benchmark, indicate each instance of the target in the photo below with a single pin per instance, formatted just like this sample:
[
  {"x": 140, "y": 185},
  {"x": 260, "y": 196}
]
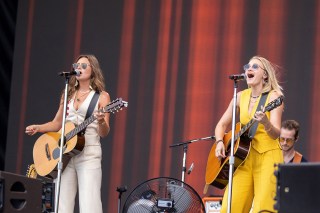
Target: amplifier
[
  {"x": 19, "y": 193},
  {"x": 298, "y": 187}
]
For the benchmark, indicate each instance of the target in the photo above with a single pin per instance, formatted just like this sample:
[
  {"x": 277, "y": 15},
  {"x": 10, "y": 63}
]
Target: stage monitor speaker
[
  {"x": 212, "y": 204},
  {"x": 298, "y": 187},
  {"x": 20, "y": 194}
]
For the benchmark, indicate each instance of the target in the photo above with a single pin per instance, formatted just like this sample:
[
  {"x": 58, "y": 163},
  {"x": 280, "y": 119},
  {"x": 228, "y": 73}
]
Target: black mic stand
[
  {"x": 120, "y": 189},
  {"x": 185, "y": 149},
  {"x": 62, "y": 142},
  {"x": 231, "y": 158}
]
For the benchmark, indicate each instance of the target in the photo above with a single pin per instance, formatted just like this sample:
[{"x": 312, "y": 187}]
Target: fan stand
[{"x": 120, "y": 189}]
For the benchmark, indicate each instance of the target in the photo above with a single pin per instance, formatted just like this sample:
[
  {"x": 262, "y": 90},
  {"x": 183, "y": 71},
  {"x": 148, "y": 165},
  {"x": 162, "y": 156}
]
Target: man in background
[{"x": 289, "y": 135}]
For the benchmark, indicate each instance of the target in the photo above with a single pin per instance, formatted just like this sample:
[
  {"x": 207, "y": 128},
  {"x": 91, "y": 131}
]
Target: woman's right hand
[
  {"x": 32, "y": 129},
  {"x": 220, "y": 150}
]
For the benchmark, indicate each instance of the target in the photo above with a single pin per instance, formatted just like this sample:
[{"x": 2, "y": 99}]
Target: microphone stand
[
  {"x": 231, "y": 158},
  {"x": 185, "y": 149},
  {"x": 62, "y": 142},
  {"x": 120, "y": 189}
]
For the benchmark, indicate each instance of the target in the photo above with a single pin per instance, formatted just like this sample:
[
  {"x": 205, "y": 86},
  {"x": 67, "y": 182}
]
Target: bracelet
[
  {"x": 267, "y": 130},
  {"x": 218, "y": 141},
  {"x": 102, "y": 123}
]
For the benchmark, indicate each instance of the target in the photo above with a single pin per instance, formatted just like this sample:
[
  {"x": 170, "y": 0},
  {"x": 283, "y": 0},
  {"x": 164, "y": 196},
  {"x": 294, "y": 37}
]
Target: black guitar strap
[
  {"x": 253, "y": 128},
  {"x": 92, "y": 104}
]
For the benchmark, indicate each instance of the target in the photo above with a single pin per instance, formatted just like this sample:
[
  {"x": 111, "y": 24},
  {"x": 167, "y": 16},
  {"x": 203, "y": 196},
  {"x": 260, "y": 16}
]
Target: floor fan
[{"x": 163, "y": 194}]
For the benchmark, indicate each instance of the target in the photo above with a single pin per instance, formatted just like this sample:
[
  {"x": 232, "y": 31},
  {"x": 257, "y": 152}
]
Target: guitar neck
[
  {"x": 80, "y": 127},
  {"x": 244, "y": 129},
  {"x": 110, "y": 108}
]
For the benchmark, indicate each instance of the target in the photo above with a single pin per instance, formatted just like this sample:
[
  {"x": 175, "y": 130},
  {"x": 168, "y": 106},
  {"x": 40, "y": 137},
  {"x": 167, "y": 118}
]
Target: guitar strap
[
  {"x": 297, "y": 157},
  {"x": 253, "y": 128},
  {"x": 92, "y": 104}
]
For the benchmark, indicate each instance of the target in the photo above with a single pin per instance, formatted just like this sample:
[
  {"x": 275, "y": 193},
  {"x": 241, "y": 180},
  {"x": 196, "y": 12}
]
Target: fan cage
[{"x": 163, "y": 194}]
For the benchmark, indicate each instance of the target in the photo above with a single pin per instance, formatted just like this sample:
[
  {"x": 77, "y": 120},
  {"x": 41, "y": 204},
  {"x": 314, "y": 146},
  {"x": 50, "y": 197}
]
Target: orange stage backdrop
[{"x": 171, "y": 61}]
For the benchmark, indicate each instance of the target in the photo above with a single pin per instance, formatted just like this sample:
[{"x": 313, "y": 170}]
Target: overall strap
[{"x": 253, "y": 129}]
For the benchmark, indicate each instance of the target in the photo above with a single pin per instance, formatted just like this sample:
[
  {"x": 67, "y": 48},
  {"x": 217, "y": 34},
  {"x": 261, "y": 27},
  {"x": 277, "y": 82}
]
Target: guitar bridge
[{"x": 48, "y": 152}]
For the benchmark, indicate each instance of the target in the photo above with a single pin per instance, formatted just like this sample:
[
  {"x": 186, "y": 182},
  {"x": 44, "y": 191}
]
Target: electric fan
[{"x": 163, "y": 194}]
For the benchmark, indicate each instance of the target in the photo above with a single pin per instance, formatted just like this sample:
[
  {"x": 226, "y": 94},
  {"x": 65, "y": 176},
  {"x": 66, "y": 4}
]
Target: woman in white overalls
[{"x": 83, "y": 171}]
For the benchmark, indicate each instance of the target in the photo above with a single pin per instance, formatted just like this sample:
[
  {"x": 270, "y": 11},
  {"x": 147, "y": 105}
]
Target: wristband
[
  {"x": 218, "y": 141},
  {"x": 102, "y": 123},
  {"x": 267, "y": 130}
]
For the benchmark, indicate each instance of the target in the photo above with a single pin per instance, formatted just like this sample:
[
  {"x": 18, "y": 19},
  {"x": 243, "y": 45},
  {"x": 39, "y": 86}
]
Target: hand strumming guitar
[
  {"x": 32, "y": 129},
  {"x": 220, "y": 149}
]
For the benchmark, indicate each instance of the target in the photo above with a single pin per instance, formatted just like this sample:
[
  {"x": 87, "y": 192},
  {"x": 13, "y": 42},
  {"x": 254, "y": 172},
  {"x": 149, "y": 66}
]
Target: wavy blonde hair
[
  {"x": 271, "y": 82},
  {"x": 96, "y": 81}
]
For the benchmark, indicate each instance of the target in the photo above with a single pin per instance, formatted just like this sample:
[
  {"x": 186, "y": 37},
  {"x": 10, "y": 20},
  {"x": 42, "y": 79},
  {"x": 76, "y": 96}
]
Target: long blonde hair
[
  {"x": 96, "y": 81},
  {"x": 271, "y": 82}
]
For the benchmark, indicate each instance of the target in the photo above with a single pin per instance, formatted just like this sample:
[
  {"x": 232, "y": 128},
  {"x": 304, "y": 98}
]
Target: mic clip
[{"x": 67, "y": 74}]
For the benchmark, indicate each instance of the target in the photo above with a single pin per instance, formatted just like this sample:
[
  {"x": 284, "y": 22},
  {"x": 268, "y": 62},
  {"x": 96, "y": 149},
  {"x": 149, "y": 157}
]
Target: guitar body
[
  {"x": 46, "y": 151},
  {"x": 217, "y": 172}
]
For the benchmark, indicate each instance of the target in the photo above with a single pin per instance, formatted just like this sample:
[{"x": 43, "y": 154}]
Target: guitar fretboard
[
  {"x": 112, "y": 107},
  {"x": 244, "y": 129},
  {"x": 80, "y": 127}
]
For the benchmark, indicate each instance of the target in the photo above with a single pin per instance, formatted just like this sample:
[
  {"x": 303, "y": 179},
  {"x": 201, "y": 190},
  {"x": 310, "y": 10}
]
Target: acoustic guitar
[
  {"x": 46, "y": 150},
  {"x": 217, "y": 172}
]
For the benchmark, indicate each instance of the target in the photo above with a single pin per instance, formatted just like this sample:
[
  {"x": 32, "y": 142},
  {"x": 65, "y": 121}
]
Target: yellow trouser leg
[
  {"x": 254, "y": 180},
  {"x": 264, "y": 179}
]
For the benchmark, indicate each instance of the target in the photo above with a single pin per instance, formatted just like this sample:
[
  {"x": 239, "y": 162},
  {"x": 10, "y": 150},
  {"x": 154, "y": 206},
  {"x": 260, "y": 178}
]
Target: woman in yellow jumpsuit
[{"x": 254, "y": 184}]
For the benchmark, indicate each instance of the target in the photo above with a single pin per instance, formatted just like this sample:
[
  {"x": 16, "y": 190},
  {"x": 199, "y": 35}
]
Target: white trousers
[{"x": 82, "y": 173}]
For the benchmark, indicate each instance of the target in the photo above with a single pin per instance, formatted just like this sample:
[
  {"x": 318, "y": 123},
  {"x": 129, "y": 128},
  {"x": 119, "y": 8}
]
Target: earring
[
  {"x": 76, "y": 84},
  {"x": 91, "y": 81}
]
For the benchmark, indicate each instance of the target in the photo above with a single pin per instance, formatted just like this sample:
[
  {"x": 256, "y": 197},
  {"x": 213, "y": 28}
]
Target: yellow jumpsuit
[{"x": 254, "y": 184}]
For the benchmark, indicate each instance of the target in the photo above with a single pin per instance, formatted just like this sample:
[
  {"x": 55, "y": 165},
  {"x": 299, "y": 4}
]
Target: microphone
[
  {"x": 190, "y": 169},
  {"x": 238, "y": 77},
  {"x": 73, "y": 72}
]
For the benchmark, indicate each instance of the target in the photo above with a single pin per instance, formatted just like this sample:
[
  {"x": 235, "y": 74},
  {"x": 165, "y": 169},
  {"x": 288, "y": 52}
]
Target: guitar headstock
[
  {"x": 115, "y": 106},
  {"x": 31, "y": 172},
  {"x": 274, "y": 104}
]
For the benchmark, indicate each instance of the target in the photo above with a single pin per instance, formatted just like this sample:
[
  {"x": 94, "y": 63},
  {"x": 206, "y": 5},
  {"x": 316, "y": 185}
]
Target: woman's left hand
[
  {"x": 100, "y": 117},
  {"x": 261, "y": 117}
]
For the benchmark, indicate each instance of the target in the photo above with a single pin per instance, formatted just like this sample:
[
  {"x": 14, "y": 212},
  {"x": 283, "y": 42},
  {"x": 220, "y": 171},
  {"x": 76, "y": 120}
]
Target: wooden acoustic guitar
[
  {"x": 46, "y": 150},
  {"x": 217, "y": 172}
]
